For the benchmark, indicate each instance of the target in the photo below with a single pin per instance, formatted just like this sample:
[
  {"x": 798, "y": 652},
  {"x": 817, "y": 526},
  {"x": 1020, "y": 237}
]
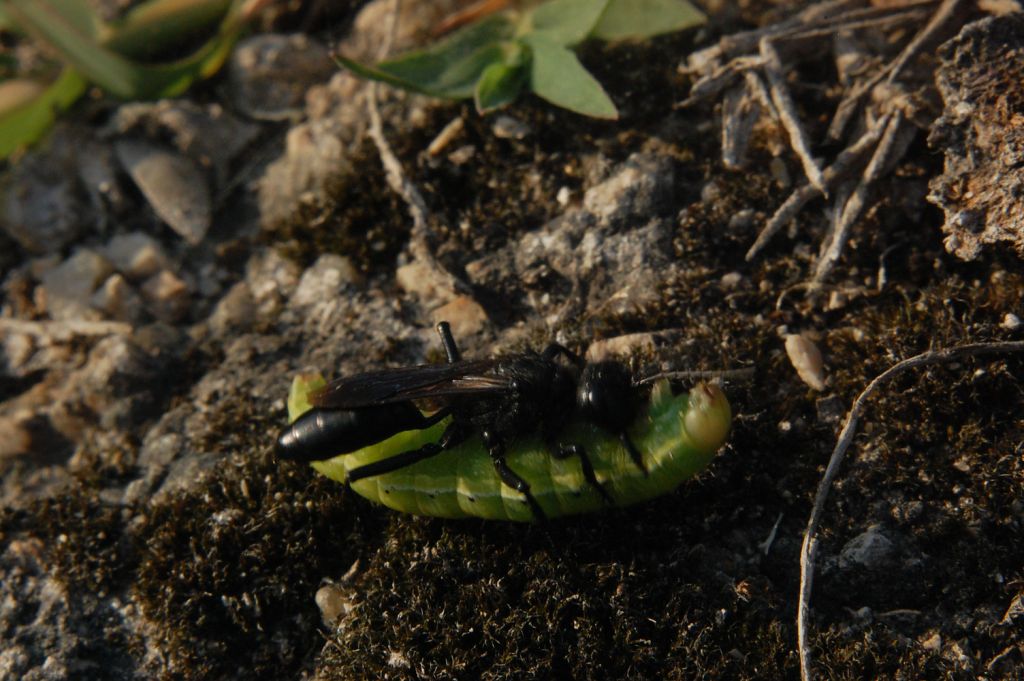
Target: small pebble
[
  {"x": 136, "y": 255},
  {"x": 18, "y": 349},
  {"x": 465, "y": 315},
  {"x": 806, "y": 359},
  {"x": 70, "y": 285},
  {"x": 116, "y": 299},
  {"x": 731, "y": 280},
  {"x": 332, "y": 603},
  {"x": 17, "y": 439},
  {"x": 742, "y": 219},
  {"x": 462, "y": 155},
  {"x": 1011, "y": 322},
  {"x": 167, "y": 295},
  {"x": 933, "y": 643},
  {"x": 417, "y": 278},
  {"x": 176, "y": 188},
  {"x": 268, "y": 74},
  {"x": 234, "y": 312},
  {"x": 830, "y": 409},
  {"x": 622, "y": 346},
  {"x": 563, "y": 196},
  {"x": 871, "y": 549},
  {"x": 506, "y": 127},
  {"x": 324, "y": 279},
  {"x": 710, "y": 191}
]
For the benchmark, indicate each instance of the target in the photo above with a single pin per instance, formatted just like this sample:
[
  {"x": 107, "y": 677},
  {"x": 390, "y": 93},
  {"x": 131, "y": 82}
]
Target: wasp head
[{"x": 606, "y": 395}]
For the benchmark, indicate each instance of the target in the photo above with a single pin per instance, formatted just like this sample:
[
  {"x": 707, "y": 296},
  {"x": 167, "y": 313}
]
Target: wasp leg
[
  {"x": 453, "y": 435},
  {"x": 561, "y": 451},
  {"x": 451, "y": 350},
  {"x": 510, "y": 477},
  {"x": 554, "y": 350},
  {"x": 634, "y": 453}
]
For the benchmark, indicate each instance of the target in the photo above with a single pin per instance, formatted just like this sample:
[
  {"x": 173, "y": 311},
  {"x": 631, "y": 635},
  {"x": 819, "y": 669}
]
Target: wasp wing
[{"x": 410, "y": 383}]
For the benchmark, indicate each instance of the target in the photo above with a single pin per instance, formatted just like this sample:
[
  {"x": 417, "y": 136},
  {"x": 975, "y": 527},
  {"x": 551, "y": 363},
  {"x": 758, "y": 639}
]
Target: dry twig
[
  {"x": 419, "y": 236},
  {"x": 894, "y": 141},
  {"x": 787, "y": 114},
  {"x": 888, "y": 119},
  {"x": 845, "y": 162},
  {"x": 64, "y": 329},
  {"x": 810, "y": 545}
]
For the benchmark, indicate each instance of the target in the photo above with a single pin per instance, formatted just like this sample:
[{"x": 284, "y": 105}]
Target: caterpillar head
[{"x": 708, "y": 418}]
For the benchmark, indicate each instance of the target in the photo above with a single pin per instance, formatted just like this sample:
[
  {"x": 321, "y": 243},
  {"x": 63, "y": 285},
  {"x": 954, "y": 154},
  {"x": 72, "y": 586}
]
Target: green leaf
[
  {"x": 564, "y": 22},
  {"x": 448, "y": 69},
  {"x": 638, "y": 19},
  {"x": 156, "y": 25},
  {"x": 24, "y": 122},
  {"x": 453, "y": 80},
  {"x": 498, "y": 86},
  {"x": 558, "y": 76},
  {"x": 76, "y": 13},
  {"x": 113, "y": 72}
]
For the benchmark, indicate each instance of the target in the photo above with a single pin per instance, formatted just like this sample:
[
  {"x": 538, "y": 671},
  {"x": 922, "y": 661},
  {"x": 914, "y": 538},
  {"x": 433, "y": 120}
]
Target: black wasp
[{"x": 500, "y": 399}]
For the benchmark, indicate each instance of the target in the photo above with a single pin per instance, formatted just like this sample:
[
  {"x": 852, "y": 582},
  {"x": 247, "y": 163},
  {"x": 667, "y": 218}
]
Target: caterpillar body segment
[{"x": 677, "y": 436}]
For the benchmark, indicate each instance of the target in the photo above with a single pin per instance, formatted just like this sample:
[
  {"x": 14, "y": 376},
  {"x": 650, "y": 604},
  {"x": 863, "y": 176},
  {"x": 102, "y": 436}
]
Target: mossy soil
[{"x": 701, "y": 583}]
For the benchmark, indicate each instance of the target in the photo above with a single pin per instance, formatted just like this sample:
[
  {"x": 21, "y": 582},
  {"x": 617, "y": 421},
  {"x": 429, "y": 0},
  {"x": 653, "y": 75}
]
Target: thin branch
[
  {"x": 810, "y": 544},
  {"x": 933, "y": 32},
  {"x": 64, "y": 329},
  {"x": 844, "y": 164},
  {"x": 892, "y": 145},
  {"x": 418, "y": 237},
  {"x": 724, "y": 374},
  {"x": 712, "y": 84},
  {"x": 739, "y": 43},
  {"x": 740, "y": 111},
  {"x": 788, "y": 116},
  {"x": 722, "y": 61}
]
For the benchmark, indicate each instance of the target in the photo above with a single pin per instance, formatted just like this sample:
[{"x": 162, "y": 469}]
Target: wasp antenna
[
  {"x": 744, "y": 374},
  {"x": 451, "y": 350}
]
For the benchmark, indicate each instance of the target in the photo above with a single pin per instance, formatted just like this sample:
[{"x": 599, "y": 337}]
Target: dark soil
[{"x": 216, "y": 580}]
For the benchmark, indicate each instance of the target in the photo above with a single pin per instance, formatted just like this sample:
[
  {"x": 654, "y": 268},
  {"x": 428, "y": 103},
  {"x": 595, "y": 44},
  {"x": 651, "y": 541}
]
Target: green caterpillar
[{"x": 676, "y": 435}]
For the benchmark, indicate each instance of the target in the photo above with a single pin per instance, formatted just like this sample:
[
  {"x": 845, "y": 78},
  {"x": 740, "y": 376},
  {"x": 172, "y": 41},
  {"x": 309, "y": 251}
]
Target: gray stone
[
  {"x": 41, "y": 205},
  {"x": 507, "y": 127},
  {"x": 639, "y": 188},
  {"x": 176, "y": 188},
  {"x": 324, "y": 280},
  {"x": 465, "y": 315},
  {"x": 234, "y": 312},
  {"x": 116, "y": 383},
  {"x": 167, "y": 296},
  {"x": 871, "y": 549},
  {"x": 272, "y": 280},
  {"x": 136, "y": 255},
  {"x": 208, "y": 135},
  {"x": 313, "y": 155},
  {"x": 70, "y": 286},
  {"x": 269, "y": 74},
  {"x": 117, "y": 299},
  {"x": 18, "y": 350}
]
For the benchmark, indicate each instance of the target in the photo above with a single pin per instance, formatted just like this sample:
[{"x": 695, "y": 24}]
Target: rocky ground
[{"x": 169, "y": 267}]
